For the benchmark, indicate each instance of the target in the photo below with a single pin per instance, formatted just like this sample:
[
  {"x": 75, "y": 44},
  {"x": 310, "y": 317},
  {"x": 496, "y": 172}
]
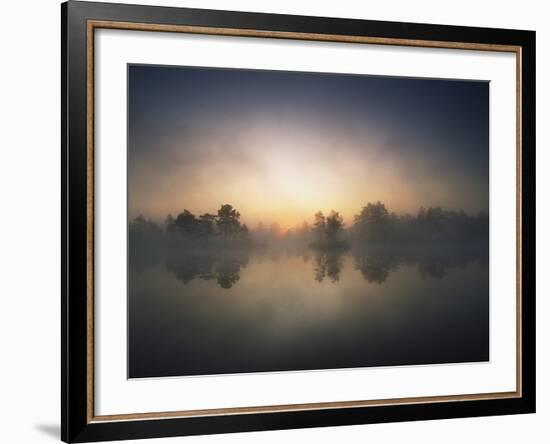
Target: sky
[{"x": 280, "y": 146}]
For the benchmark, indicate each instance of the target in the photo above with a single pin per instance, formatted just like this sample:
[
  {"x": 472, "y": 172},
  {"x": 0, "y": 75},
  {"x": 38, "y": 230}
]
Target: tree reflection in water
[
  {"x": 375, "y": 269},
  {"x": 221, "y": 266},
  {"x": 328, "y": 263},
  {"x": 375, "y": 263}
]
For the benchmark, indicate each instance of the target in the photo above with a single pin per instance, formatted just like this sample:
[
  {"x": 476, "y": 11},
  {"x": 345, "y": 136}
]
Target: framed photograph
[{"x": 276, "y": 221}]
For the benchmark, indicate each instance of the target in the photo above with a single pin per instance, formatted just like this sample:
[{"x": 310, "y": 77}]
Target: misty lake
[{"x": 197, "y": 312}]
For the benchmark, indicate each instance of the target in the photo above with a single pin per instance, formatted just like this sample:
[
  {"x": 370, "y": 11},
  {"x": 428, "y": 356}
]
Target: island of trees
[{"x": 226, "y": 224}]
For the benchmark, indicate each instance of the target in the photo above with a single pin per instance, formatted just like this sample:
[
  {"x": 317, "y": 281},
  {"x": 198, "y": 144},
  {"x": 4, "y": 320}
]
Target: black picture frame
[{"x": 76, "y": 423}]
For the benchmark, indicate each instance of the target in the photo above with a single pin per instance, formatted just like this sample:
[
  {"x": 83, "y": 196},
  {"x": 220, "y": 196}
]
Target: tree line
[
  {"x": 225, "y": 224},
  {"x": 373, "y": 224},
  {"x": 327, "y": 229},
  {"x": 376, "y": 223}
]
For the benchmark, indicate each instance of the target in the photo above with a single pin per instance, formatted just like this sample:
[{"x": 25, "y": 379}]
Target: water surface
[{"x": 197, "y": 312}]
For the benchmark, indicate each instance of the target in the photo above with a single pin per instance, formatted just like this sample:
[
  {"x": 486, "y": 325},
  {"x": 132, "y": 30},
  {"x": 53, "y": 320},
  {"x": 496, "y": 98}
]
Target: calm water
[{"x": 256, "y": 310}]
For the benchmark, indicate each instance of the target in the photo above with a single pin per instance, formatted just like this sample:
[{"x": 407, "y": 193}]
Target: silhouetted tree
[
  {"x": 146, "y": 242},
  {"x": 333, "y": 225},
  {"x": 373, "y": 213},
  {"x": 320, "y": 226},
  {"x": 169, "y": 222},
  {"x": 186, "y": 223},
  {"x": 139, "y": 221},
  {"x": 206, "y": 225},
  {"x": 141, "y": 225},
  {"x": 434, "y": 223},
  {"x": 373, "y": 220},
  {"x": 228, "y": 221}
]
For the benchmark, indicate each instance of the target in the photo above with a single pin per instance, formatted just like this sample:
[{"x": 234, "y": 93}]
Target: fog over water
[
  {"x": 217, "y": 313},
  {"x": 297, "y": 301},
  {"x": 283, "y": 221}
]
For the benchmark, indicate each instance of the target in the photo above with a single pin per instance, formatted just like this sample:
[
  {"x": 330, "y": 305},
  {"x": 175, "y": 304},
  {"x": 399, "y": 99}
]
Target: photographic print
[{"x": 286, "y": 221}]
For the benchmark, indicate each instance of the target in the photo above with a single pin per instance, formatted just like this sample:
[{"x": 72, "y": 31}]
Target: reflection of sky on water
[{"x": 278, "y": 316}]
